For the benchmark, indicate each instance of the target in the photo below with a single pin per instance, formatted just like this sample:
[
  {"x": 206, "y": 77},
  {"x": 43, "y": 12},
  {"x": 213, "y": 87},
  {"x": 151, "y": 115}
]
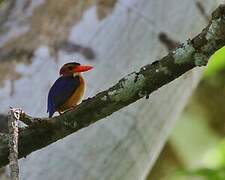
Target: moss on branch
[{"x": 195, "y": 52}]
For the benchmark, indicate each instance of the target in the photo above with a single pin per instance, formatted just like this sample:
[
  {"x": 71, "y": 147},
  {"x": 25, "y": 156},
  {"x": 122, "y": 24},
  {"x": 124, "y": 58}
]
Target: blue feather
[{"x": 61, "y": 91}]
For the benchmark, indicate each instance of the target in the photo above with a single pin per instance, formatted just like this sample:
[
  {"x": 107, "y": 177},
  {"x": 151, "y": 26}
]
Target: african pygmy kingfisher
[{"x": 68, "y": 89}]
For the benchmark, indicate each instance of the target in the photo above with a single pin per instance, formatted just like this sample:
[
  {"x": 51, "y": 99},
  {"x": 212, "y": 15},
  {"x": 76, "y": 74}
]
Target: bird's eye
[{"x": 70, "y": 67}]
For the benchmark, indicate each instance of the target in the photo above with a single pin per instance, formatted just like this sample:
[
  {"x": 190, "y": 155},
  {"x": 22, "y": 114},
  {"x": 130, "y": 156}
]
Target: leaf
[{"x": 216, "y": 63}]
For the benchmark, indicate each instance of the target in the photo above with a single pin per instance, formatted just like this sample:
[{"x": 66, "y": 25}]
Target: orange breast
[{"x": 76, "y": 98}]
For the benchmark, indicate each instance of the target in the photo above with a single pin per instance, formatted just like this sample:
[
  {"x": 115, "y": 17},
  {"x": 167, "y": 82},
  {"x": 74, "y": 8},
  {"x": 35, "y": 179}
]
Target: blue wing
[{"x": 61, "y": 90}]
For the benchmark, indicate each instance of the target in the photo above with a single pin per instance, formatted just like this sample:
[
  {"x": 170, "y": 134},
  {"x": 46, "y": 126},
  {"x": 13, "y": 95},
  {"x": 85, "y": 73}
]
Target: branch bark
[
  {"x": 129, "y": 89},
  {"x": 14, "y": 116}
]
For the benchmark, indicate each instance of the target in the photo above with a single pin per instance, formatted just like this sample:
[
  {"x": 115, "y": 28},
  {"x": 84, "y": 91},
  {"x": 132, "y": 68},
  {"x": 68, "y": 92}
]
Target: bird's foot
[{"x": 62, "y": 112}]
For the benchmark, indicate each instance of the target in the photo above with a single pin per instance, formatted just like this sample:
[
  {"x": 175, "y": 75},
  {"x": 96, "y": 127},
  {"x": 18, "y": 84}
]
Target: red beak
[{"x": 82, "y": 68}]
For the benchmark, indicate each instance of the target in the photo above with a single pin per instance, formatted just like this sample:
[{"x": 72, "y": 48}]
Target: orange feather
[{"x": 76, "y": 98}]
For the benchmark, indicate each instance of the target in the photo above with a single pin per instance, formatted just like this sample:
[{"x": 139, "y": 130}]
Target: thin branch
[
  {"x": 168, "y": 42},
  {"x": 14, "y": 116},
  {"x": 129, "y": 89}
]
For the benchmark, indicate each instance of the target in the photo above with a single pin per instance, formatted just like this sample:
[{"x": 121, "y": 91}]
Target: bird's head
[{"x": 73, "y": 68}]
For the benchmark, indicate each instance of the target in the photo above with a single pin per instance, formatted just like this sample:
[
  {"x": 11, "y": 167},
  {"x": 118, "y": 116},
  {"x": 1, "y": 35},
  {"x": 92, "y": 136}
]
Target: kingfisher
[{"x": 68, "y": 89}]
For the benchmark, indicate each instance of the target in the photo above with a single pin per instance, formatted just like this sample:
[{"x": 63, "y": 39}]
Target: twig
[
  {"x": 14, "y": 116},
  {"x": 129, "y": 89},
  {"x": 168, "y": 42}
]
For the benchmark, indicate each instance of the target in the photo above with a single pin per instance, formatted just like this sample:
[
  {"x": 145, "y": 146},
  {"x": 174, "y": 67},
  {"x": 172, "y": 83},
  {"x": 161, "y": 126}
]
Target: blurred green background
[{"x": 196, "y": 148}]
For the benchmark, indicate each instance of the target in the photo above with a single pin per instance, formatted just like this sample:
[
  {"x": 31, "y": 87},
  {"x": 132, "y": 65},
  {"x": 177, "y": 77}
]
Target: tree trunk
[{"x": 117, "y": 37}]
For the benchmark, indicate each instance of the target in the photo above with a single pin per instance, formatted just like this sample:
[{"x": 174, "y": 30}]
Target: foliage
[
  {"x": 204, "y": 174},
  {"x": 216, "y": 63},
  {"x": 215, "y": 158},
  {"x": 213, "y": 162}
]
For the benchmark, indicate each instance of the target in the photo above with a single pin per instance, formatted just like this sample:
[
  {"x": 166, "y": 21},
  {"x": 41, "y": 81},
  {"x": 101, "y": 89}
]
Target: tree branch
[
  {"x": 14, "y": 116},
  {"x": 129, "y": 89}
]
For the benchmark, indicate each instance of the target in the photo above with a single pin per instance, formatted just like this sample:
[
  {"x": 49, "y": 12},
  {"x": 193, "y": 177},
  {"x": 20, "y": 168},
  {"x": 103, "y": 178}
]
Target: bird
[{"x": 68, "y": 90}]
